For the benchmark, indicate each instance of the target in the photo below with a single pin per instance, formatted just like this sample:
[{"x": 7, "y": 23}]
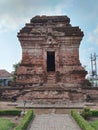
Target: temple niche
[{"x": 50, "y": 62}]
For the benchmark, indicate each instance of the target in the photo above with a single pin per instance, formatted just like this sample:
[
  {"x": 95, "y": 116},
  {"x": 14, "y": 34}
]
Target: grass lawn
[
  {"x": 94, "y": 124},
  {"x": 5, "y": 124}
]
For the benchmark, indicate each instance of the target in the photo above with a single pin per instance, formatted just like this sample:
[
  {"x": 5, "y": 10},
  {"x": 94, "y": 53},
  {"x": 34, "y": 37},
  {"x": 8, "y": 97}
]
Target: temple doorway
[{"x": 50, "y": 61}]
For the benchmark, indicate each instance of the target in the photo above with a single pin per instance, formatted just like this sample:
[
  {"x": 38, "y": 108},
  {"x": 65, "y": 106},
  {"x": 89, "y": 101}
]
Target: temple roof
[
  {"x": 44, "y": 19},
  {"x": 40, "y": 25}
]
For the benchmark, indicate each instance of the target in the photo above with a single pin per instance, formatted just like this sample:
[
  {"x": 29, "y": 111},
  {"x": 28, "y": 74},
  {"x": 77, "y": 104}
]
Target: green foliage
[
  {"x": 26, "y": 120},
  {"x": 15, "y": 66},
  {"x": 81, "y": 121},
  {"x": 94, "y": 112},
  {"x": 94, "y": 124},
  {"x": 10, "y": 112},
  {"x": 5, "y": 124},
  {"x": 86, "y": 113}
]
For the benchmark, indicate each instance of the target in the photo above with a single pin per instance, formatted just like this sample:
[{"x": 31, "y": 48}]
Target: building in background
[{"x": 5, "y": 77}]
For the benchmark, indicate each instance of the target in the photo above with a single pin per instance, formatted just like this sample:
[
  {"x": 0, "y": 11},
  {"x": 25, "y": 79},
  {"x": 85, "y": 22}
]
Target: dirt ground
[
  {"x": 5, "y": 105},
  {"x": 95, "y": 106}
]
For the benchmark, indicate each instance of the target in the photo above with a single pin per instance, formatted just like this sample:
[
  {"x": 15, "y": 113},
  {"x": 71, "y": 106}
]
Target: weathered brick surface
[{"x": 45, "y": 34}]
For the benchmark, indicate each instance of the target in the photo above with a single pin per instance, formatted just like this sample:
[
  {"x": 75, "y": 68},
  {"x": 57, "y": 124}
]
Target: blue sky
[{"x": 15, "y": 13}]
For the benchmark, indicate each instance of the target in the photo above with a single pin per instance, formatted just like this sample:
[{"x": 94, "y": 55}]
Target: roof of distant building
[{"x": 4, "y": 73}]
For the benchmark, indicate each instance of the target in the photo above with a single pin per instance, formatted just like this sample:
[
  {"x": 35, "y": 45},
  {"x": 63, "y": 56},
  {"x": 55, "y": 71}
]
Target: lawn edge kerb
[
  {"x": 25, "y": 121},
  {"x": 81, "y": 121}
]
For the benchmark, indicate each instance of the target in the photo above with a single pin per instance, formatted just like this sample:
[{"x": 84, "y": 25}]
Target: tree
[{"x": 15, "y": 66}]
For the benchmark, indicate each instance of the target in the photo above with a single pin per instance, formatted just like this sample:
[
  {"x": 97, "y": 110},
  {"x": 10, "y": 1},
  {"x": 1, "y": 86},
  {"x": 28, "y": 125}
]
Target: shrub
[
  {"x": 10, "y": 112},
  {"x": 86, "y": 113},
  {"x": 26, "y": 120},
  {"x": 94, "y": 124},
  {"x": 94, "y": 112},
  {"x": 81, "y": 121}
]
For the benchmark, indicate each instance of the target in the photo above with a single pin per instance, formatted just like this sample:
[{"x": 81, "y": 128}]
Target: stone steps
[{"x": 51, "y": 78}]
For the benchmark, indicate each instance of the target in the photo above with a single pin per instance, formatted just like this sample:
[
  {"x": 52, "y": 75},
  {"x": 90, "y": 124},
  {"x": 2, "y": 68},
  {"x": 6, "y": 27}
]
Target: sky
[{"x": 14, "y": 14}]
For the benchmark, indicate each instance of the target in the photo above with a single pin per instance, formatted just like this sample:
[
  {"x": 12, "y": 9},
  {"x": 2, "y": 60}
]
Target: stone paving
[
  {"x": 68, "y": 105},
  {"x": 54, "y": 122}
]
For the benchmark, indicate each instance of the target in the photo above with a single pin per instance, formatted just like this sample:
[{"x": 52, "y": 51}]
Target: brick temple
[{"x": 50, "y": 62}]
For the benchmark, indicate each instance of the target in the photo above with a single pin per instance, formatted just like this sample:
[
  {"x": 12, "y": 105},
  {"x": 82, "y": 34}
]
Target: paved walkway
[
  {"x": 68, "y": 105},
  {"x": 54, "y": 122}
]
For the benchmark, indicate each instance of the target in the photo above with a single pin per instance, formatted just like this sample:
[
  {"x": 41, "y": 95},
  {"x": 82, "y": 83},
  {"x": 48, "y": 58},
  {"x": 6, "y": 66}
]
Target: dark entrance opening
[{"x": 50, "y": 61}]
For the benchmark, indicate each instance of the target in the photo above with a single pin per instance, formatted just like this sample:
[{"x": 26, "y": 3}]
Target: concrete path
[
  {"x": 68, "y": 105},
  {"x": 54, "y": 122}
]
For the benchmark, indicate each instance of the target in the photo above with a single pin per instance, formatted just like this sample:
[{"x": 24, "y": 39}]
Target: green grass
[
  {"x": 5, "y": 124},
  {"x": 94, "y": 124}
]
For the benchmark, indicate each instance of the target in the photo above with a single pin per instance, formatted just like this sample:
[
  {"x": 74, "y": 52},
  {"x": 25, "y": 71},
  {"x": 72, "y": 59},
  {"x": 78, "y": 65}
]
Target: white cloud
[
  {"x": 85, "y": 57},
  {"x": 90, "y": 37},
  {"x": 93, "y": 37},
  {"x": 96, "y": 30},
  {"x": 16, "y": 12},
  {"x": 9, "y": 22}
]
